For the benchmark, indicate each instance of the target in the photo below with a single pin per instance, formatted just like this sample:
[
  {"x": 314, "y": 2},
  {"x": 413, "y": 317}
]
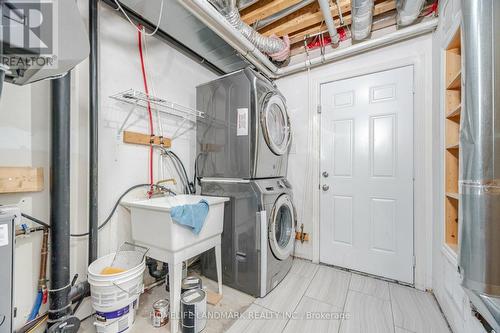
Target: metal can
[
  {"x": 159, "y": 314},
  {"x": 190, "y": 283},
  {"x": 193, "y": 311}
]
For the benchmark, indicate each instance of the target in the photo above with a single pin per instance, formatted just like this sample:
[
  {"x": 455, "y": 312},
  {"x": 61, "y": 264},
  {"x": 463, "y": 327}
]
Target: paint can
[
  {"x": 193, "y": 311},
  {"x": 190, "y": 283},
  {"x": 159, "y": 314}
]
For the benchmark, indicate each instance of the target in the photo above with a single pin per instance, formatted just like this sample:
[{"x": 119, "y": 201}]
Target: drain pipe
[
  {"x": 59, "y": 303},
  {"x": 93, "y": 132},
  {"x": 327, "y": 16}
]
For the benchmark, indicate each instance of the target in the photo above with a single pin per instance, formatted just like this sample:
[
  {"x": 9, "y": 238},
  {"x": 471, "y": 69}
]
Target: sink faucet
[{"x": 162, "y": 189}]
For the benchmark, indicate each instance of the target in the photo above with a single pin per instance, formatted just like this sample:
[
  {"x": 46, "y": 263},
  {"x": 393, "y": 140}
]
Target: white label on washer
[
  {"x": 242, "y": 122},
  {"x": 4, "y": 235}
]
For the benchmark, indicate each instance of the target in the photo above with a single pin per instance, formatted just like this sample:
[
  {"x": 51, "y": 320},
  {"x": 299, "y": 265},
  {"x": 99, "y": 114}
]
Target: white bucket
[
  {"x": 116, "y": 291},
  {"x": 117, "y": 321}
]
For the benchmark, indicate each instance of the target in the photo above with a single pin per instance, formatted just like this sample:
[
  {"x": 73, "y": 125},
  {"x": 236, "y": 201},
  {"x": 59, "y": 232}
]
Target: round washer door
[
  {"x": 282, "y": 227},
  {"x": 276, "y": 124}
]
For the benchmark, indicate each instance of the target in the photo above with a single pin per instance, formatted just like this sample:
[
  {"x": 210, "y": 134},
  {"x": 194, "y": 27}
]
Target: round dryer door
[
  {"x": 282, "y": 227},
  {"x": 276, "y": 124}
]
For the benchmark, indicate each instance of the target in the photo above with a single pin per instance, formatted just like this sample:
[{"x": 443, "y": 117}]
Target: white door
[{"x": 367, "y": 174}]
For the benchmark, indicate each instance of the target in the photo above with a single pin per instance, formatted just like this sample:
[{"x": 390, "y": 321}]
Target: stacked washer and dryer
[{"x": 242, "y": 153}]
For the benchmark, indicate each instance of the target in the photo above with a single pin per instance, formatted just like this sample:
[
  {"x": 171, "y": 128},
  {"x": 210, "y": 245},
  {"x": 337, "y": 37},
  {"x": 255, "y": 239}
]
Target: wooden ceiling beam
[
  {"x": 380, "y": 8},
  {"x": 261, "y": 10},
  {"x": 302, "y": 19}
]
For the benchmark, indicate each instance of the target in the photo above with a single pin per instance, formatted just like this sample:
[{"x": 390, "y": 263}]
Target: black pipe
[
  {"x": 59, "y": 305},
  {"x": 157, "y": 274},
  {"x": 93, "y": 131},
  {"x": 165, "y": 37},
  {"x": 2, "y": 77}
]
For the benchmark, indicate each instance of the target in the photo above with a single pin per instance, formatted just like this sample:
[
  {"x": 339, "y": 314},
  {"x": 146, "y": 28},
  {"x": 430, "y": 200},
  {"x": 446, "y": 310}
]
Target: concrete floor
[{"x": 313, "y": 299}]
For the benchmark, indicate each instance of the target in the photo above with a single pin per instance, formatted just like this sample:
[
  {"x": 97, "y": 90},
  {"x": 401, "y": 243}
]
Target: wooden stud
[
  {"x": 21, "y": 179},
  {"x": 302, "y": 19},
  {"x": 260, "y": 10},
  {"x": 144, "y": 139}
]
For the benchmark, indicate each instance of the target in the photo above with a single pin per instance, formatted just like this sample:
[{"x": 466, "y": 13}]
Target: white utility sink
[
  {"x": 173, "y": 243},
  {"x": 153, "y": 227}
]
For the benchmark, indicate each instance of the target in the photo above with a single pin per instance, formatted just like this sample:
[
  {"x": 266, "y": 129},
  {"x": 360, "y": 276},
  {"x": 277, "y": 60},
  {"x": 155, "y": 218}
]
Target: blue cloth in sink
[{"x": 192, "y": 216}]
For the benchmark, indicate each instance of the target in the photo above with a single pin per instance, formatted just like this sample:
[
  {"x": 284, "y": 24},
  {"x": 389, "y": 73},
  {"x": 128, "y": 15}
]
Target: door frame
[{"x": 422, "y": 154}]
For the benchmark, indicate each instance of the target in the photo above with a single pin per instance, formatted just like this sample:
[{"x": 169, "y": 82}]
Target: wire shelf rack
[{"x": 140, "y": 99}]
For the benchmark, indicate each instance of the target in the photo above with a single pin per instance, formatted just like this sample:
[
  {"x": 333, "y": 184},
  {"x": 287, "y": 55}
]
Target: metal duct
[
  {"x": 480, "y": 159},
  {"x": 327, "y": 16},
  {"x": 267, "y": 45},
  {"x": 408, "y": 11},
  {"x": 362, "y": 17}
]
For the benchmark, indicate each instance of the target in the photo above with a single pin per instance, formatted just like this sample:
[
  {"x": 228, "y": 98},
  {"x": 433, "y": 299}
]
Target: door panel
[{"x": 367, "y": 174}]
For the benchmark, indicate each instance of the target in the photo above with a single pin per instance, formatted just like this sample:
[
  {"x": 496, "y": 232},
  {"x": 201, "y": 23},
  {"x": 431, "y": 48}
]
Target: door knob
[
  {"x": 325, "y": 187},
  {"x": 325, "y": 174}
]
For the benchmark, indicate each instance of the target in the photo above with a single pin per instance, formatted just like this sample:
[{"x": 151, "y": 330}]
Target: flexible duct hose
[{"x": 267, "y": 45}]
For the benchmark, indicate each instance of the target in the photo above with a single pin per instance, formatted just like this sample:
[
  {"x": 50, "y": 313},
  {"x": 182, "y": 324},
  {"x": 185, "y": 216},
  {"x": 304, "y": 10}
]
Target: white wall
[
  {"x": 301, "y": 91},
  {"x": 25, "y": 141},
  {"x": 120, "y": 165},
  {"x": 446, "y": 279}
]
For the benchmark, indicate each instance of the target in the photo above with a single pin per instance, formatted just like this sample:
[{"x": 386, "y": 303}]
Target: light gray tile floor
[{"x": 314, "y": 299}]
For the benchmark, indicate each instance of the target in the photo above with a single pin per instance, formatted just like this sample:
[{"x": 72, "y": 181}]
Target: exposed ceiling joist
[
  {"x": 380, "y": 8},
  {"x": 261, "y": 10},
  {"x": 303, "y": 18}
]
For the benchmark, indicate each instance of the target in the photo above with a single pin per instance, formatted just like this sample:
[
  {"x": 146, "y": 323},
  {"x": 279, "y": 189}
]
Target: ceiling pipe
[
  {"x": 362, "y": 17},
  {"x": 362, "y": 47},
  {"x": 215, "y": 21},
  {"x": 408, "y": 11},
  {"x": 327, "y": 16}
]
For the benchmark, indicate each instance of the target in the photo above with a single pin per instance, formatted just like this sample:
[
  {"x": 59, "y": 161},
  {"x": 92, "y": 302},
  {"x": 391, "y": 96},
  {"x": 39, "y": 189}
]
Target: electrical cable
[
  {"x": 179, "y": 172},
  {"x": 189, "y": 184},
  {"x": 152, "y": 84},
  {"x": 132, "y": 23},
  {"x": 37, "y": 221},
  {"x": 150, "y": 114},
  {"x": 115, "y": 207}
]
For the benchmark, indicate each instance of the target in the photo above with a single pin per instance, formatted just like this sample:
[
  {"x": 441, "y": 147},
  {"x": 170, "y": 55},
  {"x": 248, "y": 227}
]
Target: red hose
[{"x": 146, "y": 90}]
